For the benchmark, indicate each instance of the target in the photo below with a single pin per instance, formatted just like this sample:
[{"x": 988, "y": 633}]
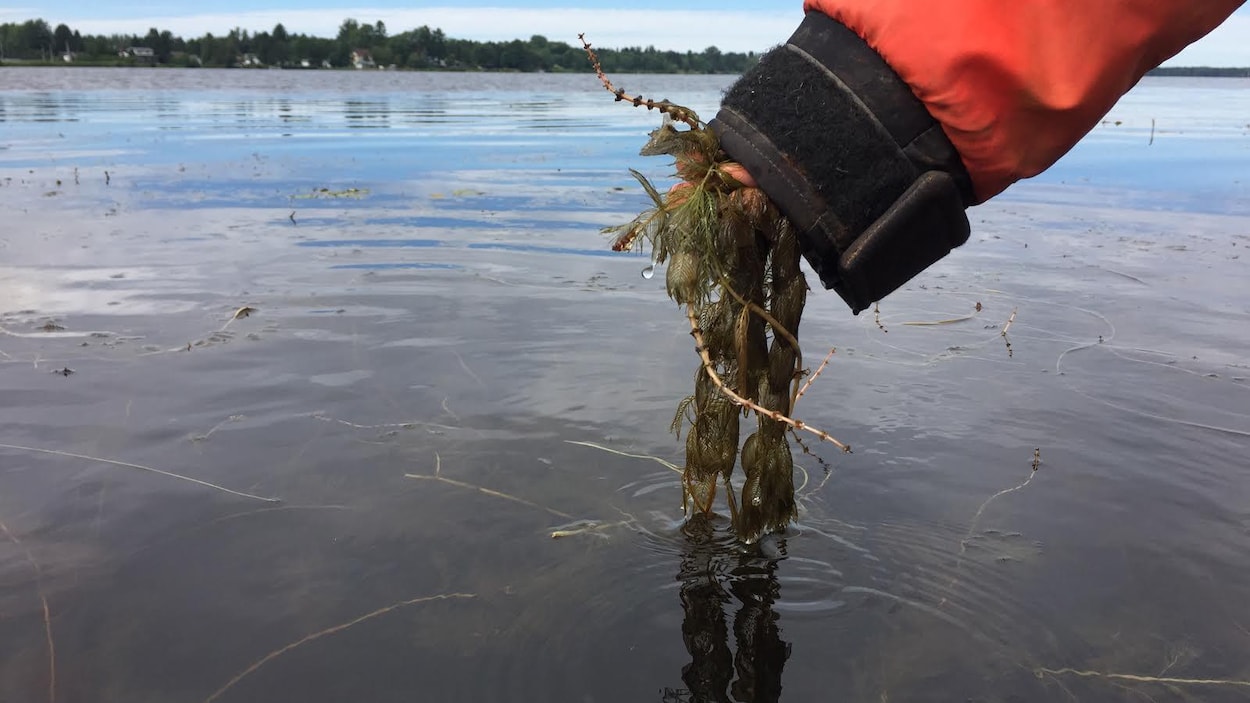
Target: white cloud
[
  {"x": 17, "y": 14},
  {"x": 665, "y": 29},
  {"x": 1228, "y": 45}
]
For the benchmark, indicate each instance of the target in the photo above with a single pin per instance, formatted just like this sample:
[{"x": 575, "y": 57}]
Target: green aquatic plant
[{"x": 733, "y": 264}]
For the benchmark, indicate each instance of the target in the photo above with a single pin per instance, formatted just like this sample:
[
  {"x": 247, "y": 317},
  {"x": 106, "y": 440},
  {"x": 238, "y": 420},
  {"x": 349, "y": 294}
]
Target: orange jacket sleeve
[{"x": 1016, "y": 83}]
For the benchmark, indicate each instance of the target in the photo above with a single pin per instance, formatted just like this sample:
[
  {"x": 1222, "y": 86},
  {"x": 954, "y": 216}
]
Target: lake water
[{"x": 443, "y": 365}]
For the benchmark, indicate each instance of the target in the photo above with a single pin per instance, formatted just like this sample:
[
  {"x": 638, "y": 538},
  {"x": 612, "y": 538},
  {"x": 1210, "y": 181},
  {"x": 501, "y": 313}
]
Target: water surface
[{"x": 430, "y": 297}]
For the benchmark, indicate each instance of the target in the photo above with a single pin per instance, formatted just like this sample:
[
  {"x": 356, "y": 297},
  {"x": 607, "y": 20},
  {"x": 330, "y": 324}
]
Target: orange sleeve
[{"x": 1016, "y": 83}]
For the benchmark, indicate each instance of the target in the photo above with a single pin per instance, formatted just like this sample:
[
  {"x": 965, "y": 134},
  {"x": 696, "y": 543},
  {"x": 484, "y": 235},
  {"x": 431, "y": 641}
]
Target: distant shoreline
[
  {"x": 1168, "y": 72},
  {"x": 1200, "y": 72},
  {"x": 371, "y": 46}
]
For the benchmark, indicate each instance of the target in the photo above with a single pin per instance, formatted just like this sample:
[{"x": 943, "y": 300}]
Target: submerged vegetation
[
  {"x": 357, "y": 45},
  {"x": 733, "y": 264}
]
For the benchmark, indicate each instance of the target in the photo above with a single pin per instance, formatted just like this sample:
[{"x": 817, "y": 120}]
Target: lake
[{"x": 301, "y": 371}]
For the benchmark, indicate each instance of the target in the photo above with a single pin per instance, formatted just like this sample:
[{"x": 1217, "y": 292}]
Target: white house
[
  {"x": 139, "y": 53},
  {"x": 361, "y": 58}
]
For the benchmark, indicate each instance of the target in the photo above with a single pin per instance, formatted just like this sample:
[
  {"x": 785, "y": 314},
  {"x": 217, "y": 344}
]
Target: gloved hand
[{"x": 840, "y": 143}]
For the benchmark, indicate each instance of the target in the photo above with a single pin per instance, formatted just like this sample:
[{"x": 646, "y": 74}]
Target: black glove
[{"x": 839, "y": 142}]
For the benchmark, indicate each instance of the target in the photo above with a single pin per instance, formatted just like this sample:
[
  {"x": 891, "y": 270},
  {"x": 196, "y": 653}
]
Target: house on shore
[
  {"x": 361, "y": 59},
  {"x": 141, "y": 54}
]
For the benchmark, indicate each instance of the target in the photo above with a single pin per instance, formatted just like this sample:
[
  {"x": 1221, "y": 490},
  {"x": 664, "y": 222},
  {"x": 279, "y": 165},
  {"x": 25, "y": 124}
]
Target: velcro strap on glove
[{"x": 844, "y": 148}]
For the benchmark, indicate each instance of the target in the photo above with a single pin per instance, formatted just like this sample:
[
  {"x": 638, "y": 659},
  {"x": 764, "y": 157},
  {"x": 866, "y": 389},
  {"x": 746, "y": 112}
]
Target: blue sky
[{"x": 734, "y": 25}]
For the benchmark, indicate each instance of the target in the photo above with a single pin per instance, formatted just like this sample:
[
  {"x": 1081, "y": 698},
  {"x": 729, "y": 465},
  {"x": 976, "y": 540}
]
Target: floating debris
[{"x": 317, "y": 193}]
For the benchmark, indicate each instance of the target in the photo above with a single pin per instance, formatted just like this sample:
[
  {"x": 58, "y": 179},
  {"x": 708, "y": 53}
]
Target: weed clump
[{"x": 733, "y": 264}]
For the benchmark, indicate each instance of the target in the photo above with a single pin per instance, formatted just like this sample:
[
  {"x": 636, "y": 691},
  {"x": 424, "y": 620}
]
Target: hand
[
  {"x": 733, "y": 170},
  {"x": 836, "y": 139}
]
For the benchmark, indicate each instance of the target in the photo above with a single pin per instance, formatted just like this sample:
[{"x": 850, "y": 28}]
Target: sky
[{"x": 731, "y": 25}]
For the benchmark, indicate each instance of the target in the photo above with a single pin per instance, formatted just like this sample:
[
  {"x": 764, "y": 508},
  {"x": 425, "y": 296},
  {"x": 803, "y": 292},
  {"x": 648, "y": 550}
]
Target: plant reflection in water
[{"x": 719, "y": 575}]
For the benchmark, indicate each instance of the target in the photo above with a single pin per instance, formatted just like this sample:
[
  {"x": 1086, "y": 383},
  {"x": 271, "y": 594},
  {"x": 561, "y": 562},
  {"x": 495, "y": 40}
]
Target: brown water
[{"x": 446, "y": 308}]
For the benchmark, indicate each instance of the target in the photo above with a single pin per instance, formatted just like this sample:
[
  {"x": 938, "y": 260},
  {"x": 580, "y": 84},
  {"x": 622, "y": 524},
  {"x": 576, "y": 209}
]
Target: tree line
[
  {"x": 357, "y": 42},
  {"x": 1201, "y": 71}
]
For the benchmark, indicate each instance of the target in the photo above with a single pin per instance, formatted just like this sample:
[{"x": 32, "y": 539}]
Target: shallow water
[{"x": 432, "y": 298}]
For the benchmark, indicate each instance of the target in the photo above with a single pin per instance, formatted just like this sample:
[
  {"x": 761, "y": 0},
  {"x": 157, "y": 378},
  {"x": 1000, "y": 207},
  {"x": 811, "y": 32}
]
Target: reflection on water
[
  {"x": 715, "y": 580},
  {"x": 431, "y": 297}
]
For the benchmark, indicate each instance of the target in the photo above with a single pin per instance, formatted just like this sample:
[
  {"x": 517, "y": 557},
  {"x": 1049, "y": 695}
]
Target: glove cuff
[{"x": 844, "y": 148}]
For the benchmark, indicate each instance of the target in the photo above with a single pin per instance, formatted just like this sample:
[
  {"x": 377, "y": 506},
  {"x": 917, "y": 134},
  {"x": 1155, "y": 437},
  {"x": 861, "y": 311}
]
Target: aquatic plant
[{"x": 733, "y": 264}]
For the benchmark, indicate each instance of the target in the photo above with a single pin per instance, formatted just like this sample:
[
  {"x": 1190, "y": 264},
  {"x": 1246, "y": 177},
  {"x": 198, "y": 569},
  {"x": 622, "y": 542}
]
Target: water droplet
[{"x": 649, "y": 271}]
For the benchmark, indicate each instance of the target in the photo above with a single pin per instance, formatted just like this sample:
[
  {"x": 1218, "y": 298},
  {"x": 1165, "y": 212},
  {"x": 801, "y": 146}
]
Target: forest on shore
[
  {"x": 1201, "y": 71},
  {"x": 363, "y": 45},
  {"x": 357, "y": 45}
]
